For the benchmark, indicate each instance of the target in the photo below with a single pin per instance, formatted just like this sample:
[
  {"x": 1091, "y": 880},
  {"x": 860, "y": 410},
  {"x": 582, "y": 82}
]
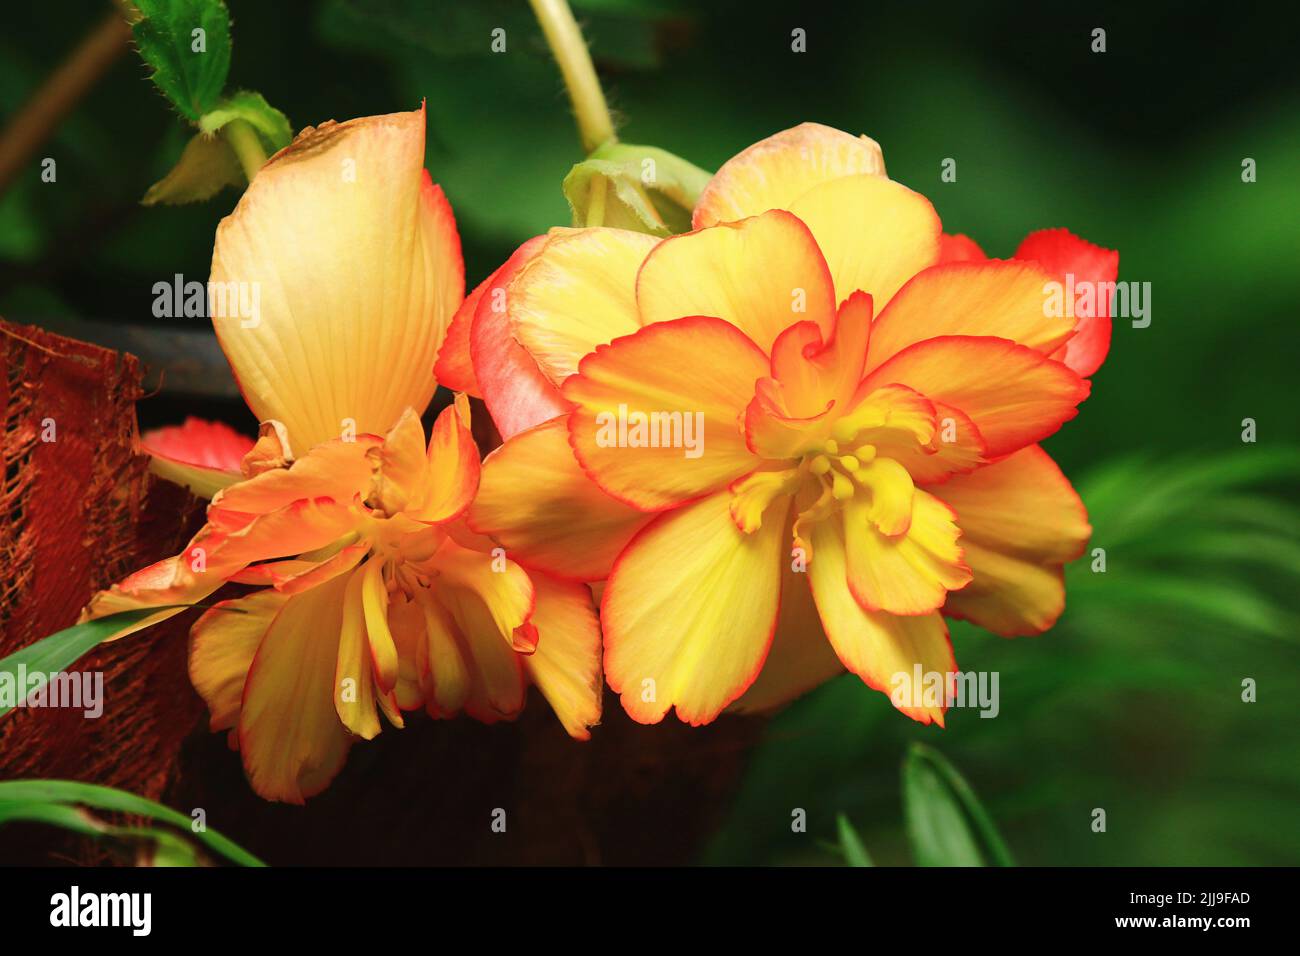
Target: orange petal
[
  {"x": 658, "y": 413},
  {"x": 335, "y": 469},
  {"x": 353, "y": 257},
  {"x": 502, "y": 587},
  {"x": 1021, "y": 521},
  {"x": 874, "y": 233},
  {"x": 776, "y": 171},
  {"x": 812, "y": 374},
  {"x": 1062, "y": 253},
  {"x": 374, "y": 604},
  {"x": 566, "y": 664},
  {"x": 762, "y": 275},
  {"x": 454, "y": 470},
  {"x": 446, "y": 677},
  {"x": 1003, "y": 299},
  {"x": 497, "y": 684},
  {"x": 874, "y": 645},
  {"x": 689, "y": 611},
  {"x": 289, "y": 732},
  {"x": 1013, "y": 395},
  {"x": 538, "y": 503}
]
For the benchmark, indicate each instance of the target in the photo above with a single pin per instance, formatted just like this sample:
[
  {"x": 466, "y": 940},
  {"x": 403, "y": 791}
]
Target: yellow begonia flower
[
  {"x": 373, "y": 595},
  {"x": 792, "y": 439}
]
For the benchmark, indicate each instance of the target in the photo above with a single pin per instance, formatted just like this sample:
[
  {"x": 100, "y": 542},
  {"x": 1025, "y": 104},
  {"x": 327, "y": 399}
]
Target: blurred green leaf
[
  {"x": 946, "y": 823},
  {"x": 187, "y": 43},
  {"x": 855, "y": 854},
  {"x": 61, "y": 803}
]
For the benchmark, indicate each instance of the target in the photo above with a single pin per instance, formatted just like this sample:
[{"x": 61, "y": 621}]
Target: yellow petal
[
  {"x": 908, "y": 574},
  {"x": 874, "y": 645},
  {"x": 566, "y": 665},
  {"x": 577, "y": 293},
  {"x": 222, "y": 645},
  {"x": 689, "y": 611},
  {"x": 447, "y": 677},
  {"x": 374, "y": 603},
  {"x": 874, "y": 233},
  {"x": 349, "y": 265},
  {"x": 354, "y": 681},
  {"x": 776, "y": 171},
  {"x": 501, "y": 586},
  {"x": 1021, "y": 522},
  {"x": 762, "y": 275},
  {"x": 289, "y": 732},
  {"x": 801, "y": 657}
]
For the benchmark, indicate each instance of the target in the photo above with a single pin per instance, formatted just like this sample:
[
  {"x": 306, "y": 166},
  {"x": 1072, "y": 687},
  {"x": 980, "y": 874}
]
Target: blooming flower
[
  {"x": 372, "y": 594},
  {"x": 871, "y": 394}
]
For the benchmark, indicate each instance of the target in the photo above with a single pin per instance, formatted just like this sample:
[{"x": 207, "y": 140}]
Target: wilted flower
[{"x": 373, "y": 595}]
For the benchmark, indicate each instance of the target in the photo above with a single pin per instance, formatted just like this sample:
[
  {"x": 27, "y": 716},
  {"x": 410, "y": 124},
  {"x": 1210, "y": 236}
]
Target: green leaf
[
  {"x": 272, "y": 126},
  {"x": 63, "y": 649},
  {"x": 641, "y": 188},
  {"x": 60, "y": 802},
  {"x": 946, "y": 823},
  {"x": 207, "y": 166},
  {"x": 187, "y": 43},
  {"x": 851, "y": 844}
]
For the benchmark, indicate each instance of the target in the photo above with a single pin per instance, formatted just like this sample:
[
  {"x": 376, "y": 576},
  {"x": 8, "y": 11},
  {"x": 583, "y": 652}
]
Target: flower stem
[
  {"x": 565, "y": 39},
  {"x": 243, "y": 140}
]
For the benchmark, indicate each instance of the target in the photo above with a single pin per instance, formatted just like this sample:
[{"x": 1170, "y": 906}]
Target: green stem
[
  {"x": 565, "y": 39},
  {"x": 243, "y": 140}
]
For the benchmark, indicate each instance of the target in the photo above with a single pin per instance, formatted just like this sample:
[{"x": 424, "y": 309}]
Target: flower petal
[
  {"x": 689, "y": 611},
  {"x": 353, "y": 257},
  {"x": 223, "y": 643},
  {"x": 1002, "y": 299},
  {"x": 1062, "y": 253},
  {"x": 454, "y": 471},
  {"x": 1013, "y": 395},
  {"x": 776, "y": 171},
  {"x": 566, "y": 664},
  {"x": 537, "y": 502},
  {"x": 910, "y": 573},
  {"x": 875, "y": 234},
  {"x": 1021, "y": 521},
  {"x": 762, "y": 275},
  {"x": 800, "y": 658},
  {"x": 201, "y": 455},
  {"x": 354, "y": 671},
  {"x": 516, "y": 391},
  {"x": 577, "y": 292},
  {"x": 874, "y": 645},
  {"x": 658, "y": 413},
  {"x": 289, "y": 732}
]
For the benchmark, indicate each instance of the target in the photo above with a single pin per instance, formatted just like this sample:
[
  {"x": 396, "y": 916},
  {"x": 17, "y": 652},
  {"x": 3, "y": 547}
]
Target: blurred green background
[{"x": 1133, "y": 702}]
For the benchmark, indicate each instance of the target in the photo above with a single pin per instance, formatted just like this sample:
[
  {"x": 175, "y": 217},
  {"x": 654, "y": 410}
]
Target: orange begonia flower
[
  {"x": 373, "y": 594},
  {"x": 792, "y": 440}
]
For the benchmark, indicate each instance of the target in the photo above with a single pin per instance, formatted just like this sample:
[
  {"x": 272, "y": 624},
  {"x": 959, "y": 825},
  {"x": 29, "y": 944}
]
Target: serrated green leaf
[
  {"x": 189, "y": 66},
  {"x": 271, "y": 125},
  {"x": 63, "y": 649},
  {"x": 61, "y": 802},
  {"x": 855, "y": 853},
  {"x": 946, "y": 823},
  {"x": 207, "y": 166}
]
